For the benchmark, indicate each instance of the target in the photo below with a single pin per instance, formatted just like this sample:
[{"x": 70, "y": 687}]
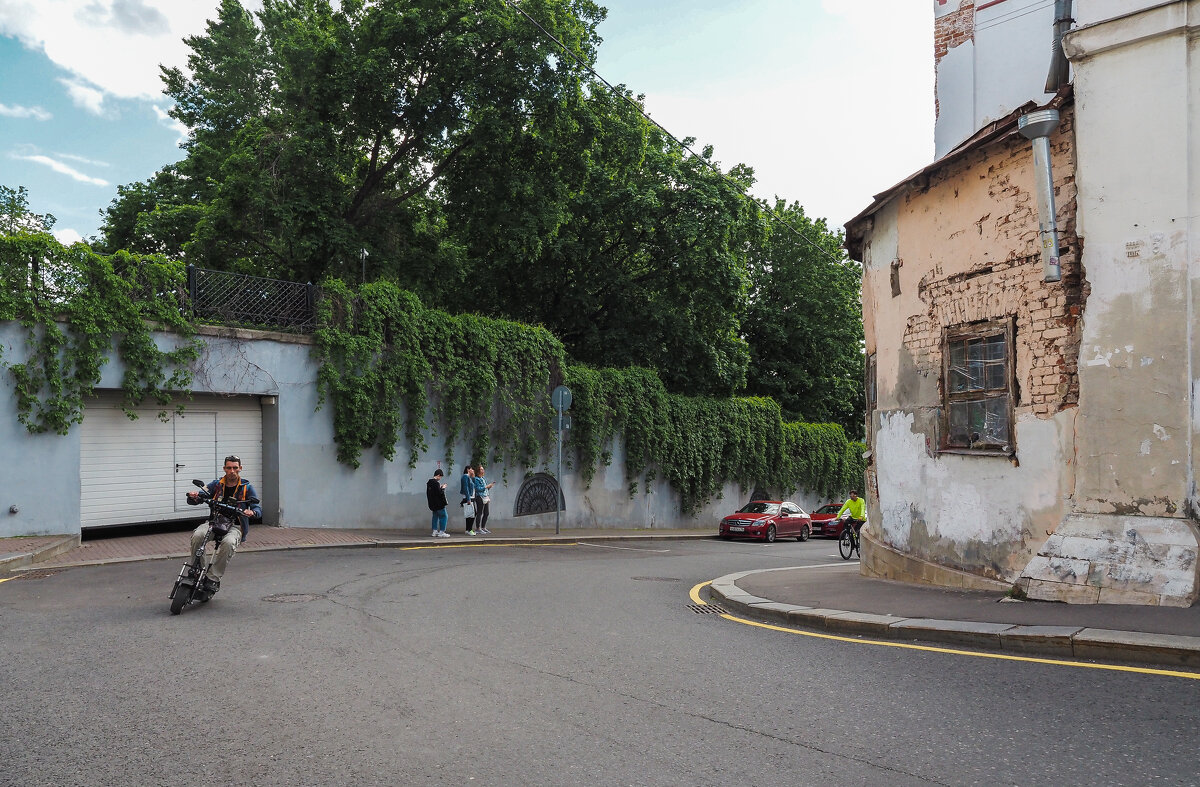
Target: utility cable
[{"x": 641, "y": 110}]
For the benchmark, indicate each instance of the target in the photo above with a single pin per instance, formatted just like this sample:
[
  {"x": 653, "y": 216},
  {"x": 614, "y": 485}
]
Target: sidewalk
[{"x": 838, "y": 599}]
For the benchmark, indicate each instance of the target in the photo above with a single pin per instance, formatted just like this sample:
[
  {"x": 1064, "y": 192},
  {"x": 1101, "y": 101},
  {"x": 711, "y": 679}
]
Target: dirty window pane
[
  {"x": 976, "y": 353},
  {"x": 996, "y": 376},
  {"x": 958, "y": 423},
  {"x": 958, "y": 367},
  {"x": 995, "y": 421},
  {"x": 995, "y": 348}
]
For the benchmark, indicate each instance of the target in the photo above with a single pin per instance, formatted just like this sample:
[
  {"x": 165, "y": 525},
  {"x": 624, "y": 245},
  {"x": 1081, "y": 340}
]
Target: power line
[{"x": 770, "y": 211}]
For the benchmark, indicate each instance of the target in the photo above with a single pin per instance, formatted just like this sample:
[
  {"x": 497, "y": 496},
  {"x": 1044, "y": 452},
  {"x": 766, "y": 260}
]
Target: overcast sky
[{"x": 831, "y": 101}]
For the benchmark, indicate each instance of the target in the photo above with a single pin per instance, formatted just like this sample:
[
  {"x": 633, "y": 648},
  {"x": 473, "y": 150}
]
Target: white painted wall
[
  {"x": 1136, "y": 83},
  {"x": 1004, "y": 66}
]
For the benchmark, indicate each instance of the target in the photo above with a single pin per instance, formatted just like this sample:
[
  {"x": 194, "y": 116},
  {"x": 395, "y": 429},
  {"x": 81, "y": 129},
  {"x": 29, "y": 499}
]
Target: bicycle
[{"x": 848, "y": 542}]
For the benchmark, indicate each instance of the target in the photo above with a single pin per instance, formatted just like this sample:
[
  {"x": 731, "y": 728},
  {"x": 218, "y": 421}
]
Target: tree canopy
[{"x": 452, "y": 147}]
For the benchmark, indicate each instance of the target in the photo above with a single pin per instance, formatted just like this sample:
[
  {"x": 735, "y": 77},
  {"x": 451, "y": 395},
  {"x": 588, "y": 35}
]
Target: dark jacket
[
  {"x": 243, "y": 491},
  {"x": 435, "y": 493}
]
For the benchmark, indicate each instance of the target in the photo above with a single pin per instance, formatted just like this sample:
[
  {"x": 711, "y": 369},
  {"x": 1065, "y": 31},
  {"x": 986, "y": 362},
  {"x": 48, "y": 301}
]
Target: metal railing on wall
[{"x": 224, "y": 298}]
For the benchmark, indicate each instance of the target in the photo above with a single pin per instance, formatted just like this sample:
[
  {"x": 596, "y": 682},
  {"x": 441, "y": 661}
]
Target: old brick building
[{"x": 1029, "y": 415}]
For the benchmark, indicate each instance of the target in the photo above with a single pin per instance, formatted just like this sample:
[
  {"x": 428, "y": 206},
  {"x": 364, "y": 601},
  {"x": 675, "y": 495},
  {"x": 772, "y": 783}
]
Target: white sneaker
[
  {"x": 443, "y": 534},
  {"x": 470, "y": 532},
  {"x": 486, "y": 532},
  {"x": 434, "y": 534}
]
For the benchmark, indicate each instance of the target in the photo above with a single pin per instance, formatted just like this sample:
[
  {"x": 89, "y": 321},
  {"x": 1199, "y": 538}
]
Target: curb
[
  {"x": 1075, "y": 642},
  {"x": 32, "y": 564},
  {"x": 12, "y": 564}
]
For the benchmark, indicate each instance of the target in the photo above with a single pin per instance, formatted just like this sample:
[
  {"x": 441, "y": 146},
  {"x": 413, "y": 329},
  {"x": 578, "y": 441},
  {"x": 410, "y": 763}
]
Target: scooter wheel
[{"x": 183, "y": 594}]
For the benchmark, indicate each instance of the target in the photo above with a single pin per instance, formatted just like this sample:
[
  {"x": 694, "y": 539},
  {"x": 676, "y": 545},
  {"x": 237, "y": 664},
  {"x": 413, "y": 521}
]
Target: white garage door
[{"x": 138, "y": 471}]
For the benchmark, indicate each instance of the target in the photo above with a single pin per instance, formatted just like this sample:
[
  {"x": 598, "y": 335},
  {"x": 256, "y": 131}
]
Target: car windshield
[
  {"x": 759, "y": 508},
  {"x": 831, "y": 508}
]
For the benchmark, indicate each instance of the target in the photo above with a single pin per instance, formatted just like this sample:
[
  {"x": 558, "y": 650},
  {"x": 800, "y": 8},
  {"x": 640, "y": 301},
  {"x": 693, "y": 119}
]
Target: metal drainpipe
[
  {"x": 1036, "y": 127},
  {"x": 1060, "y": 69}
]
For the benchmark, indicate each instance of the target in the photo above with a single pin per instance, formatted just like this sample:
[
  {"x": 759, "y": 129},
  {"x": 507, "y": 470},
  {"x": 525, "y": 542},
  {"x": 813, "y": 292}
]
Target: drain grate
[
  {"x": 40, "y": 573},
  {"x": 657, "y": 579},
  {"x": 292, "y": 598},
  {"x": 706, "y": 609}
]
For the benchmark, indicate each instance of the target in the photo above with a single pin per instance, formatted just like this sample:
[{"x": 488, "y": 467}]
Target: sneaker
[
  {"x": 211, "y": 585},
  {"x": 443, "y": 534},
  {"x": 434, "y": 534},
  {"x": 486, "y": 532},
  {"x": 470, "y": 532}
]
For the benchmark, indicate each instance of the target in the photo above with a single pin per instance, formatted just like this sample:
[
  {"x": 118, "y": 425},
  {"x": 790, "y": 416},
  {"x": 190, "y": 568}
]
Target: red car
[
  {"x": 823, "y": 522},
  {"x": 767, "y": 519}
]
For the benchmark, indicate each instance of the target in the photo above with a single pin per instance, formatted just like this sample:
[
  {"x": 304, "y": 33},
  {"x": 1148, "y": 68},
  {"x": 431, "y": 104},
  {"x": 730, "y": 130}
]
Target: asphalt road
[{"x": 513, "y": 665}]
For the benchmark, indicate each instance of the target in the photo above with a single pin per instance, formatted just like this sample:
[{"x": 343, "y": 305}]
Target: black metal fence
[{"x": 224, "y": 298}]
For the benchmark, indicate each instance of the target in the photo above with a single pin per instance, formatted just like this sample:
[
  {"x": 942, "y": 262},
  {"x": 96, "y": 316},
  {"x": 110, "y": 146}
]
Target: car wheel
[
  {"x": 804, "y": 534},
  {"x": 770, "y": 534}
]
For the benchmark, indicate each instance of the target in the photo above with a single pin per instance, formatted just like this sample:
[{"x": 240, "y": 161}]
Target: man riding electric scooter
[{"x": 233, "y": 489}]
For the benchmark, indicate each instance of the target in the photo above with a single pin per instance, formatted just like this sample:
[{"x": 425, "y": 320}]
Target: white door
[
  {"x": 134, "y": 471},
  {"x": 195, "y": 453}
]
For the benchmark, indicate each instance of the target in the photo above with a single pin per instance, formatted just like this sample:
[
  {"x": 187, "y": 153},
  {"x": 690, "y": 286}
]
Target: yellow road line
[
  {"x": 484, "y": 544},
  {"x": 5, "y": 579},
  {"x": 695, "y": 596}
]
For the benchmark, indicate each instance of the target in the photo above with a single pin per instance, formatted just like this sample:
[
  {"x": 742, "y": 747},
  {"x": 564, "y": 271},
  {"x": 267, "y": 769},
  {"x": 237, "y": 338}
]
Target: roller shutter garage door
[{"x": 138, "y": 471}]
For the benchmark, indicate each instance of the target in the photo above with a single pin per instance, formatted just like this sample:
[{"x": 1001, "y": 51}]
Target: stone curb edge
[
  {"x": 17, "y": 562},
  {"x": 1075, "y": 642},
  {"x": 29, "y": 562}
]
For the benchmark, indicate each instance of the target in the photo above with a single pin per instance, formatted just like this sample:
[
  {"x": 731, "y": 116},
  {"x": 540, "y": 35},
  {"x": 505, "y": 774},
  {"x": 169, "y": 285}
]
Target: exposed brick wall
[
  {"x": 948, "y": 32},
  {"x": 1047, "y": 315}
]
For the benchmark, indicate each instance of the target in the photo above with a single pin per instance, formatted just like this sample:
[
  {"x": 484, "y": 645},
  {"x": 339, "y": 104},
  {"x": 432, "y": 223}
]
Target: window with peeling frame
[{"x": 979, "y": 392}]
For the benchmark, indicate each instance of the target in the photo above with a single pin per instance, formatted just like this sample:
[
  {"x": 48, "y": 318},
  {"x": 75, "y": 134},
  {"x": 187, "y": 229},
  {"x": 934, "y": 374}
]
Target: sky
[{"x": 830, "y": 101}]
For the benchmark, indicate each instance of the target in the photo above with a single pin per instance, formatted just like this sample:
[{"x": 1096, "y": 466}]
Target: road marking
[
  {"x": 631, "y": 549},
  {"x": 485, "y": 544},
  {"x": 695, "y": 596},
  {"x": 5, "y": 579}
]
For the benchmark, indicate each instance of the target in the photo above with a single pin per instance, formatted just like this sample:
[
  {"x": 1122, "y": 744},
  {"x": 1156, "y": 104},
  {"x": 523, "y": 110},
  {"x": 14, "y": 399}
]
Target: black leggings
[{"x": 481, "y": 513}]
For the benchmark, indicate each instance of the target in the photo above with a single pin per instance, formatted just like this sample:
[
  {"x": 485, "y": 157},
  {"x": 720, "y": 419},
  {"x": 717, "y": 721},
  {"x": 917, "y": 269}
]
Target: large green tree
[
  {"x": 642, "y": 261},
  {"x": 804, "y": 322},
  {"x": 320, "y": 131}
]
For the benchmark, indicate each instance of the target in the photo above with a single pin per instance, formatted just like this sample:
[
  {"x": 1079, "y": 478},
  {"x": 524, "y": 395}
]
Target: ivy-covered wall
[{"x": 386, "y": 388}]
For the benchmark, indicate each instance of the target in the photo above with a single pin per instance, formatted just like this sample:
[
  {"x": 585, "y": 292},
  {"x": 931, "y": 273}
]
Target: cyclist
[{"x": 855, "y": 510}]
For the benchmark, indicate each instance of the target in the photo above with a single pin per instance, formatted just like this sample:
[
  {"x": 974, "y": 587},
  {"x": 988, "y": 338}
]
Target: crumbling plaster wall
[
  {"x": 963, "y": 246},
  {"x": 1137, "y": 88}
]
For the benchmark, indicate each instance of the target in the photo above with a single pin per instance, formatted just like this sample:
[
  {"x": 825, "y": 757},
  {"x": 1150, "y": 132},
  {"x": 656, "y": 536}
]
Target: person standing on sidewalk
[
  {"x": 483, "y": 498},
  {"x": 233, "y": 489},
  {"x": 435, "y": 490},
  {"x": 466, "y": 487}
]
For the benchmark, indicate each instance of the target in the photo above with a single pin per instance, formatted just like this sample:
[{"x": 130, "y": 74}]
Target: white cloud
[
  {"x": 833, "y": 122},
  {"x": 17, "y": 111},
  {"x": 83, "y": 160},
  {"x": 170, "y": 122},
  {"x": 115, "y": 46},
  {"x": 63, "y": 169},
  {"x": 66, "y": 236},
  {"x": 88, "y": 98}
]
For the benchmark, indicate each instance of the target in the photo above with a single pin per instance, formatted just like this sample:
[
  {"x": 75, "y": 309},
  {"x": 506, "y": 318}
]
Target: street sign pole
[
  {"x": 561, "y": 399},
  {"x": 558, "y": 471}
]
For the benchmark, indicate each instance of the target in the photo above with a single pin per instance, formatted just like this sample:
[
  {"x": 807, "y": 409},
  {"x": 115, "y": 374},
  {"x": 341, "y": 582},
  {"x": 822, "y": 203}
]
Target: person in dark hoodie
[{"x": 435, "y": 490}]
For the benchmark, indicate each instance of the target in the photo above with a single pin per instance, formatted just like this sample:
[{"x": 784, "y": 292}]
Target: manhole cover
[
  {"x": 657, "y": 579},
  {"x": 293, "y": 598}
]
